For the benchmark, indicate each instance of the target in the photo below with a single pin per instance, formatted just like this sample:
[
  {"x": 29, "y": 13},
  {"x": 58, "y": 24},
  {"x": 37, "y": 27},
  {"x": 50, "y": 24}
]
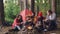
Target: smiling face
[
  {"x": 49, "y": 12},
  {"x": 19, "y": 17}
]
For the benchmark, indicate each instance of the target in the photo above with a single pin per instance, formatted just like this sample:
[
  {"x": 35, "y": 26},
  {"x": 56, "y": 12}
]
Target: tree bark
[
  {"x": 21, "y": 5},
  {"x": 53, "y": 5},
  {"x": 25, "y": 4},
  {"x": 1, "y": 12},
  {"x": 32, "y": 6}
]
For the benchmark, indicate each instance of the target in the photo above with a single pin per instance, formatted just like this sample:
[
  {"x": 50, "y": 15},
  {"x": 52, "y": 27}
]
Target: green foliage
[
  {"x": 58, "y": 7},
  {"x": 43, "y": 6},
  {"x": 11, "y": 10}
]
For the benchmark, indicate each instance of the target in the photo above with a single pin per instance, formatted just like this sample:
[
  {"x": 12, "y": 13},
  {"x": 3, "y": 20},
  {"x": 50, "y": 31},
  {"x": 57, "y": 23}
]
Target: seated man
[{"x": 51, "y": 20}]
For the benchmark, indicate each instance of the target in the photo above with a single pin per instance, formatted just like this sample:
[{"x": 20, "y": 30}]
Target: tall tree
[
  {"x": 32, "y": 6},
  {"x": 21, "y": 4},
  {"x": 53, "y": 5},
  {"x": 25, "y": 4},
  {"x": 1, "y": 12}
]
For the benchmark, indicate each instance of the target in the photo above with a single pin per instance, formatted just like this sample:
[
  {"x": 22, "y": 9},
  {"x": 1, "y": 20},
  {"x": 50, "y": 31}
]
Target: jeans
[
  {"x": 18, "y": 27},
  {"x": 51, "y": 25}
]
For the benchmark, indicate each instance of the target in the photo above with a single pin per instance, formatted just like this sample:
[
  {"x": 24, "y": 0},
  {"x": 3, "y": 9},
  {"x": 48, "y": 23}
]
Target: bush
[{"x": 11, "y": 10}]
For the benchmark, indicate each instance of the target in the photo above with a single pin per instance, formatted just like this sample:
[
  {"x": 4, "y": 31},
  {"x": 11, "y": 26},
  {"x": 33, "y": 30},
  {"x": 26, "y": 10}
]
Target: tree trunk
[
  {"x": 53, "y": 5},
  {"x": 1, "y": 12},
  {"x": 32, "y": 6},
  {"x": 21, "y": 5},
  {"x": 25, "y": 4}
]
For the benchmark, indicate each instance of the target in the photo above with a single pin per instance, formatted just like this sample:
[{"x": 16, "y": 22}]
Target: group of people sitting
[{"x": 40, "y": 24}]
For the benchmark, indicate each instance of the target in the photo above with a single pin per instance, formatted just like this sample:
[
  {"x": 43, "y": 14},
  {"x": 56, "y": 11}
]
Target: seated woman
[
  {"x": 39, "y": 24},
  {"x": 17, "y": 25},
  {"x": 29, "y": 22},
  {"x": 51, "y": 20}
]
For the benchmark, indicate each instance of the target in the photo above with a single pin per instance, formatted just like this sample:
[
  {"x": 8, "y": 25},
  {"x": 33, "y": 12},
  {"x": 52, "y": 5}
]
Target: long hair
[{"x": 21, "y": 20}]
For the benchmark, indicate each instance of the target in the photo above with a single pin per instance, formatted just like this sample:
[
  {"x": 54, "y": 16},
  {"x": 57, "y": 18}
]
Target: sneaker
[{"x": 45, "y": 30}]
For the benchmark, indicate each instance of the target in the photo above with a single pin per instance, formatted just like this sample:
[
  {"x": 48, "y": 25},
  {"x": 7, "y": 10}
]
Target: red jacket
[{"x": 15, "y": 23}]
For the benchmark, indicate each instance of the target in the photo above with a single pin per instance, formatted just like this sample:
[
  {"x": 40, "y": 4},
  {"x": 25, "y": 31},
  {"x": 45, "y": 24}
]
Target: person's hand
[
  {"x": 37, "y": 25},
  {"x": 45, "y": 20}
]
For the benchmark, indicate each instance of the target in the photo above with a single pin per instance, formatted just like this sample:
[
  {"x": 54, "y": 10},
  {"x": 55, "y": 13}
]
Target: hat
[{"x": 40, "y": 14}]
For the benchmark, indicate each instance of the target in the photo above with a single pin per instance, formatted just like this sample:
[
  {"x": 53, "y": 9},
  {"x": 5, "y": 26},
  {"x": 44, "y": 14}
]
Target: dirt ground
[{"x": 5, "y": 29}]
